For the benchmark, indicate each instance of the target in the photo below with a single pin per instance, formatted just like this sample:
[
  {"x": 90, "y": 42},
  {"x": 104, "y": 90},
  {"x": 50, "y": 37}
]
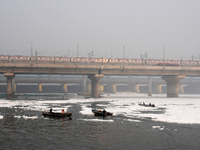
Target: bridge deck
[{"x": 80, "y": 69}]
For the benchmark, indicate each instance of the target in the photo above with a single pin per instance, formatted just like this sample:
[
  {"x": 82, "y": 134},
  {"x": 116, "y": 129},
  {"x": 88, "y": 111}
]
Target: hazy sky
[{"x": 56, "y": 27}]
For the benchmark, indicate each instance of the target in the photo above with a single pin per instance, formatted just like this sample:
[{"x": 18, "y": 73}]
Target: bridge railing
[{"x": 95, "y": 61}]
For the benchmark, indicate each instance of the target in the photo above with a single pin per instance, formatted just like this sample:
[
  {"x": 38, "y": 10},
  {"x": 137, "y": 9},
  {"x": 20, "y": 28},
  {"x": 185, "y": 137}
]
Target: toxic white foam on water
[
  {"x": 158, "y": 127},
  {"x": 86, "y": 110},
  {"x": 132, "y": 120},
  {"x": 25, "y": 117},
  {"x": 17, "y": 116},
  {"x": 29, "y": 117},
  {"x": 34, "y": 104},
  {"x": 175, "y": 110},
  {"x": 97, "y": 120}
]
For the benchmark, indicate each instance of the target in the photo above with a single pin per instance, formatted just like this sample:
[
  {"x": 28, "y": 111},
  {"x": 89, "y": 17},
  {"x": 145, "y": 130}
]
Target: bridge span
[{"x": 171, "y": 74}]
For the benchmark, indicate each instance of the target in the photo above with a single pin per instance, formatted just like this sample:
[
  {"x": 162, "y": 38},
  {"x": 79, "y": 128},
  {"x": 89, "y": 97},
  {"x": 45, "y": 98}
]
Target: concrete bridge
[
  {"x": 171, "y": 74},
  {"x": 108, "y": 84}
]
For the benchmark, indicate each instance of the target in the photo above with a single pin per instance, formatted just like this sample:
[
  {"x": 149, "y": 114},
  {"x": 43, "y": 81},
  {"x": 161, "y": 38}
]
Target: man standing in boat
[
  {"x": 104, "y": 111},
  {"x": 63, "y": 112}
]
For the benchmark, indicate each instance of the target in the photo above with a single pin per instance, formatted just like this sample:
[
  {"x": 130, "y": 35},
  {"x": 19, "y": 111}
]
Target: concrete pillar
[
  {"x": 111, "y": 88},
  {"x": 172, "y": 85},
  {"x": 156, "y": 89},
  {"x": 40, "y": 87},
  {"x": 13, "y": 85},
  {"x": 64, "y": 87},
  {"x": 84, "y": 83},
  {"x": 9, "y": 91},
  {"x": 95, "y": 84},
  {"x": 149, "y": 85},
  {"x": 134, "y": 87},
  {"x": 181, "y": 89},
  {"x": 15, "y": 88},
  {"x": 101, "y": 89},
  {"x": 89, "y": 88}
]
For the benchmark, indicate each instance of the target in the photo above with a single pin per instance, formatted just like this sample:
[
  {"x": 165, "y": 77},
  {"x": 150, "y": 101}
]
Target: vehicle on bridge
[
  {"x": 167, "y": 64},
  {"x": 98, "y": 61}
]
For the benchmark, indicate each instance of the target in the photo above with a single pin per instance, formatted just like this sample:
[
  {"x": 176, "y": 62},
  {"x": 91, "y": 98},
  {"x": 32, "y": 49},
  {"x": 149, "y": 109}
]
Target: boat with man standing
[
  {"x": 101, "y": 113},
  {"x": 49, "y": 113}
]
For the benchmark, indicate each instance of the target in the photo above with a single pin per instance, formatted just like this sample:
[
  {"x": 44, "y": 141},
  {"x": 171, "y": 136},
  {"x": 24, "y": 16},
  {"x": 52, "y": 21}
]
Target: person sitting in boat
[
  {"x": 149, "y": 104},
  {"x": 51, "y": 110},
  {"x": 143, "y": 103},
  {"x": 104, "y": 111}
]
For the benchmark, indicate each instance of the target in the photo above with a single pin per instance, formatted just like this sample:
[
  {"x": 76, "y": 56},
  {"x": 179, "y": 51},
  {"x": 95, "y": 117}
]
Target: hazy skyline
[{"x": 56, "y": 27}]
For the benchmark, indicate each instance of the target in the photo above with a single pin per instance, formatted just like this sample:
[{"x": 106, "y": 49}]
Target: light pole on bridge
[
  {"x": 31, "y": 49},
  {"x": 163, "y": 57},
  {"x": 123, "y": 51}
]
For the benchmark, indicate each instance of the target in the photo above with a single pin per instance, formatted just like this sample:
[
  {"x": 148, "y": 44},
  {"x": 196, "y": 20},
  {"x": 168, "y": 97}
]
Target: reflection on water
[{"x": 8, "y": 121}]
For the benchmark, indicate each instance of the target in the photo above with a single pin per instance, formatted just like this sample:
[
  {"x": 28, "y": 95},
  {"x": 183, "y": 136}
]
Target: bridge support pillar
[
  {"x": 157, "y": 89},
  {"x": 111, "y": 88},
  {"x": 13, "y": 85},
  {"x": 101, "y": 89},
  {"x": 95, "y": 84},
  {"x": 172, "y": 85},
  {"x": 89, "y": 88},
  {"x": 84, "y": 83},
  {"x": 149, "y": 85},
  {"x": 134, "y": 87},
  {"x": 64, "y": 87},
  {"x": 40, "y": 87},
  {"x": 181, "y": 89},
  {"x": 9, "y": 91}
]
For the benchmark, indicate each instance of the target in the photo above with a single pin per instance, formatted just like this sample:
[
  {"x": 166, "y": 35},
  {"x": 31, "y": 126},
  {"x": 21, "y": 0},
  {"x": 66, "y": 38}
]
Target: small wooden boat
[
  {"x": 56, "y": 115},
  {"x": 152, "y": 105},
  {"x": 101, "y": 113}
]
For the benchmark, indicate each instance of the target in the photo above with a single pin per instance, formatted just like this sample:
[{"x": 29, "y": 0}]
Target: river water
[{"x": 173, "y": 124}]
